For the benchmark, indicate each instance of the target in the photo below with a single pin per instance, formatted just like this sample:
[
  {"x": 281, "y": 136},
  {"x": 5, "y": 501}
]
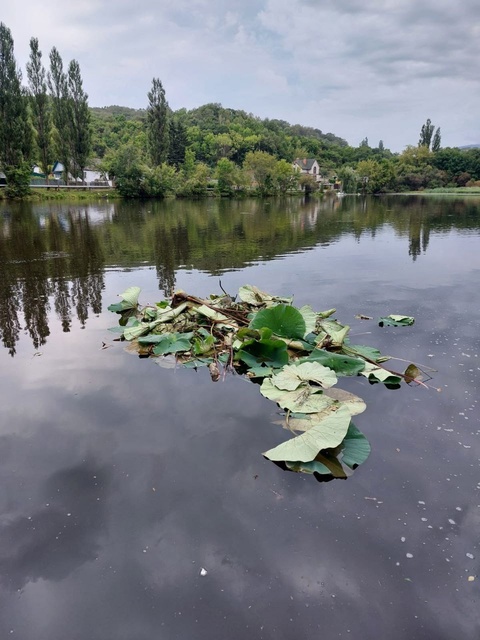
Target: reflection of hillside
[{"x": 52, "y": 257}]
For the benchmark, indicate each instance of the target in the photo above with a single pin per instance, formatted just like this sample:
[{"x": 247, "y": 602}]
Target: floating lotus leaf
[
  {"x": 255, "y": 352},
  {"x": 292, "y": 376},
  {"x": 129, "y": 300},
  {"x": 354, "y": 450},
  {"x": 328, "y": 434},
  {"x": 342, "y": 364},
  {"x": 252, "y": 295},
  {"x": 355, "y": 447},
  {"x": 305, "y": 399},
  {"x": 396, "y": 321},
  {"x": 365, "y": 352},
  {"x": 282, "y": 319},
  {"x": 310, "y": 318},
  {"x": 335, "y": 331},
  {"x": 171, "y": 343},
  {"x": 377, "y": 374},
  {"x": 354, "y": 404}
]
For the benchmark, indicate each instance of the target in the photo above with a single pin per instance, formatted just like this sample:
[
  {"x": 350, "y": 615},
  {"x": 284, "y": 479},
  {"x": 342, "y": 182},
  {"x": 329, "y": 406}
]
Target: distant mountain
[{"x": 470, "y": 146}]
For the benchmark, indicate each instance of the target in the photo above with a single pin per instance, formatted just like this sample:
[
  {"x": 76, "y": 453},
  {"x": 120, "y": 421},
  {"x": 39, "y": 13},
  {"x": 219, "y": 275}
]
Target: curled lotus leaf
[{"x": 327, "y": 434}]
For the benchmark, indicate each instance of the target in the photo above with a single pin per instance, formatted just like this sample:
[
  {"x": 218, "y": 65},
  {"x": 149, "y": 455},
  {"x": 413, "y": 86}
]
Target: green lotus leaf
[
  {"x": 252, "y": 295},
  {"x": 377, "y": 374},
  {"x": 305, "y": 399},
  {"x": 172, "y": 343},
  {"x": 292, "y": 376},
  {"x": 342, "y": 364},
  {"x": 355, "y": 447},
  {"x": 310, "y": 318},
  {"x": 354, "y": 450},
  {"x": 335, "y": 332},
  {"x": 365, "y": 352},
  {"x": 129, "y": 300},
  {"x": 271, "y": 352},
  {"x": 283, "y": 320},
  {"x": 396, "y": 321},
  {"x": 327, "y": 434}
]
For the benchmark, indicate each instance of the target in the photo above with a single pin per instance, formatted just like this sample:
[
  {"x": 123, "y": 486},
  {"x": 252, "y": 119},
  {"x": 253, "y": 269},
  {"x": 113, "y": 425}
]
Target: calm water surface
[{"x": 120, "y": 480}]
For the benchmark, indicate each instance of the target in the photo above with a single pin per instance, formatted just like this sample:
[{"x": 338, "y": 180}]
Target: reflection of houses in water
[{"x": 312, "y": 210}]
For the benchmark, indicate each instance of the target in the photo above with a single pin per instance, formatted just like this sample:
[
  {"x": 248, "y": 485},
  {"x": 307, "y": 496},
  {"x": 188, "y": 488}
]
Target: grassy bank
[{"x": 72, "y": 195}]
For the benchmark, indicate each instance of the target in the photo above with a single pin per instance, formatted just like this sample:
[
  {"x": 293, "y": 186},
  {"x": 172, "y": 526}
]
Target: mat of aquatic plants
[{"x": 296, "y": 355}]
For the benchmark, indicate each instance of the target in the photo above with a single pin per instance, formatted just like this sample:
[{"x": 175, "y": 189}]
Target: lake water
[{"x": 135, "y": 502}]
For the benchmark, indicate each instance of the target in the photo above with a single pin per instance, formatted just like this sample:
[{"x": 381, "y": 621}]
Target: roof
[{"x": 305, "y": 163}]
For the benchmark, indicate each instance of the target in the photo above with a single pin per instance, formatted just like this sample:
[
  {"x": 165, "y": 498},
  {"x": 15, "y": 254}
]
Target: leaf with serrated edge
[{"x": 326, "y": 435}]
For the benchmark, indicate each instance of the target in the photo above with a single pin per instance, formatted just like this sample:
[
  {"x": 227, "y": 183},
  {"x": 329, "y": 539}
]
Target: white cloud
[{"x": 376, "y": 68}]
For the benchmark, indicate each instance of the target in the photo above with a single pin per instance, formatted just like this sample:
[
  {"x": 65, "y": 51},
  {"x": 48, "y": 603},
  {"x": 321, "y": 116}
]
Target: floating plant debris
[{"x": 296, "y": 354}]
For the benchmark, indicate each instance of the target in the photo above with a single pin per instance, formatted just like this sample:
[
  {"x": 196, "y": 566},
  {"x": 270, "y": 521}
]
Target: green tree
[
  {"x": 349, "y": 179},
  {"x": 261, "y": 166},
  {"x": 286, "y": 177},
  {"x": 37, "y": 81},
  {"x": 15, "y": 130},
  {"x": 225, "y": 174},
  {"x": 437, "y": 140},
  {"x": 81, "y": 136},
  {"x": 58, "y": 87},
  {"x": 178, "y": 141},
  {"x": 375, "y": 176},
  {"x": 158, "y": 123},
  {"x": 426, "y": 134}
]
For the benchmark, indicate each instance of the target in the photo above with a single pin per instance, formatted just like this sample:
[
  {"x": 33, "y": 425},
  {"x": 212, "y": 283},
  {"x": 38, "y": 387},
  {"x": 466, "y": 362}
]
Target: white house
[
  {"x": 91, "y": 177},
  {"x": 308, "y": 165}
]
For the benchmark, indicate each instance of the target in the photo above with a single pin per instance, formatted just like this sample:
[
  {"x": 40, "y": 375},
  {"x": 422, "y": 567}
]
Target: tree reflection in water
[{"x": 53, "y": 256}]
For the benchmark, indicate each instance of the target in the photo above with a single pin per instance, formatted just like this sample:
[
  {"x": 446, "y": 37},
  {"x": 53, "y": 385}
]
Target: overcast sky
[{"x": 356, "y": 68}]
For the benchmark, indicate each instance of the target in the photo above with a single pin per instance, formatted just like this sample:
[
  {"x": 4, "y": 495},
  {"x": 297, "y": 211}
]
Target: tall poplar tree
[
  {"x": 426, "y": 134},
  {"x": 58, "y": 86},
  {"x": 81, "y": 136},
  {"x": 157, "y": 123},
  {"x": 178, "y": 141},
  {"x": 37, "y": 81},
  {"x": 437, "y": 140},
  {"x": 15, "y": 130}
]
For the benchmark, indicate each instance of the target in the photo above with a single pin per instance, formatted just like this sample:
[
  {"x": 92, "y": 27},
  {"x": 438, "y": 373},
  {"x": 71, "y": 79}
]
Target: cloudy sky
[{"x": 356, "y": 68}]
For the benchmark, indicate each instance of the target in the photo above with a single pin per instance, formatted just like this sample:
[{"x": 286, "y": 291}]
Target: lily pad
[
  {"x": 253, "y": 296},
  {"x": 305, "y": 399},
  {"x": 354, "y": 451},
  {"x": 396, "y": 321},
  {"x": 305, "y": 447},
  {"x": 355, "y": 447},
  {"x": 342, "y": 364},
  {"x": 377, "y": 374},
  {"x": 129, "y": 300},
  {"x": 171, "y": 343},
  {"x": 282, "y": 319},
  {"x": 271, "y": 352},
  {"x": 292, "y": 376}
]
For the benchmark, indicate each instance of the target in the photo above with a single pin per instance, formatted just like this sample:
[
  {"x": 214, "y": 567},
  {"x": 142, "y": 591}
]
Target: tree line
[
  {"x": 46, "y": 121},
  {"x": 156, "y": 151}
]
